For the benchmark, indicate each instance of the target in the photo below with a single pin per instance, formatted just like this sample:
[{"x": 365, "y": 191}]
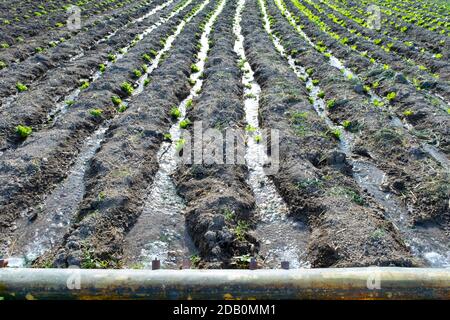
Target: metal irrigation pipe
[{"x": 345, "y": 283}]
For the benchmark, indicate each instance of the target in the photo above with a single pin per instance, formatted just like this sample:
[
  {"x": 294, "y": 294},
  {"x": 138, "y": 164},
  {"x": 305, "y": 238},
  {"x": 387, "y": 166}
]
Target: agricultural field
[{"x": 115, "y": 118}]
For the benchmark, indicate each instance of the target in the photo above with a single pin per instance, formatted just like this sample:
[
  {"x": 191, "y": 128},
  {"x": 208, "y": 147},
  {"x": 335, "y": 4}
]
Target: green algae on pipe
[{"x": 342, "y": 283}]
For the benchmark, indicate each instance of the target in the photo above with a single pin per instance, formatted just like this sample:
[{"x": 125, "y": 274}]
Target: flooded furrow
[
  {"x": 45, "y": 239},
  {"x": 38, "y": 231},
  {"x": 427, "y": 242},
  {"x": 282, "y": 239},
  {"x": 160, "y": 232}
]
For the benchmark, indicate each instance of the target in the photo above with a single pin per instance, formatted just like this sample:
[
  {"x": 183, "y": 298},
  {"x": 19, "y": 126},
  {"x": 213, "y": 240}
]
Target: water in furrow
[
  {"x": 282, "y": 238},
  {"x": 160, "y": 232}
]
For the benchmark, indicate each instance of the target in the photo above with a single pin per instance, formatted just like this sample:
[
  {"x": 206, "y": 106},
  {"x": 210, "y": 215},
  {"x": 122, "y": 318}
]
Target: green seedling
[
  {"x": 84, "y": 85},
  {"x": 241, "y": 64},
  {"x": 195, "y": 68},
  {"x": 180, "y": 144},
  {"x": 101, "y": 67},
  {"x": 321, "y": 95},
  {"x": 96, "y": 113},
  {"x": 336, "y": 133},
  {"x": 112, "y": 57},
  {"x": 175, "y": 113},
  {"x": 122, "y": 108},
  {"x": 116, "y": 100},
  {"x": 258, "y": 139},
  {"x": 137, "y": 73},
  {"x": 228, "y": 214},
  {"x": 377, "y": 103},
  {"x": 146, "y": 57},
  {"x": 21, "y": 87},
  {"x": 408, "y": 113},
  {"x": 391, "y": 96},
  {"x": 346, "y": 124},
  {"x": 241, "y": 229},
  {"x": 250, "y": 128},
  {"x": 195, "y": 260},
  {"x": 185, "y": 123},
  {"x": 331, "y": 103},
  {"x": 127, "y": 88},
  {"x": 23, "y": 131}
]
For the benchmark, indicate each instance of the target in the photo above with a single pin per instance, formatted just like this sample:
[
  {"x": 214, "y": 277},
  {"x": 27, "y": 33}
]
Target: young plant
[
  {"x": 23, "y": 131},
  {"x": 137, "y": 73},
  {"x": 175, "y": 113},
  {"x": 336, "y": 133},
  {"x": 346, "y": 124},
  {"x": 250, "y": 128},
  {"x": 112, "y": 57},
  {"x": 101, "y": 67},
  {"x": 331, "y": 103},
  {"x": 408, "y": 113},
  {"x": 185, "y": 123},
  {"x": 84, "y": 85},
  {"x": 116, "y": 100},
  {"x": 96, "y": 113},
  {"x": 21, "y": 87},
  {"x": 180, "y": 144},
  {"x": 194, "y": 68},
  {"x": 241, "y": 229},
  {"x": 127, "y": 88},
  {"x": 122, "y": 108},
  {"x": 391, "y": 96},
  {"x": 146, "y": 57}
]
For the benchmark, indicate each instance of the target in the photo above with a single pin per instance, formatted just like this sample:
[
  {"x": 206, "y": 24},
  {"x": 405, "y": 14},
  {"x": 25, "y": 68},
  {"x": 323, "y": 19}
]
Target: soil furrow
[
  {"x": 219, "y": 203},
  {"x": 281, "y": 238}
]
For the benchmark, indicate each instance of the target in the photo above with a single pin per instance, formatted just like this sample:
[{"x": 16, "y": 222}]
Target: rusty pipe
[{"x": 345, "y": 283}]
